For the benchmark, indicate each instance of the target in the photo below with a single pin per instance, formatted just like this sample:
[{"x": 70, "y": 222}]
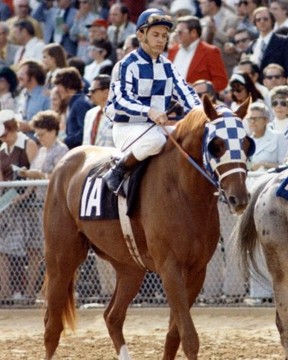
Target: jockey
[{"x": 144, "y": 84}]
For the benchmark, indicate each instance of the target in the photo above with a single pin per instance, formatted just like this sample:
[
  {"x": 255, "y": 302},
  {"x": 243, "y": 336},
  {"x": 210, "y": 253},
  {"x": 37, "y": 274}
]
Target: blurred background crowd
[
  {"x": 56, "y": 61},
  {"x": 212, "y": 41}
]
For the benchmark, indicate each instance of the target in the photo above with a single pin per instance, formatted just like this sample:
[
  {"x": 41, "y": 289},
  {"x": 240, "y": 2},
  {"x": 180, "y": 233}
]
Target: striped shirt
[{"x": 142, "y": 83}]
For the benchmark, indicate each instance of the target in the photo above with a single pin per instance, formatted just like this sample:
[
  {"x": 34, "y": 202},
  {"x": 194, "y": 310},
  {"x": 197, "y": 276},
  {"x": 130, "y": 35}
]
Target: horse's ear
[
  {"x": 209, "y": 108},
  {"x": 242, "y": 109}
]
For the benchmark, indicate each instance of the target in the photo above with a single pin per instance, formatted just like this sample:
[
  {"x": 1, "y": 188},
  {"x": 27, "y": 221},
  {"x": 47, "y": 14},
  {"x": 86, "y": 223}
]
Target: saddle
[{"x": 97, "y": 202}]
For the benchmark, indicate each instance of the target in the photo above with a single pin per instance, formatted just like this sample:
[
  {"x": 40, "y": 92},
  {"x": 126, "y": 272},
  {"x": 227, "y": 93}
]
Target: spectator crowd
[{"x": 56, "y": 62}]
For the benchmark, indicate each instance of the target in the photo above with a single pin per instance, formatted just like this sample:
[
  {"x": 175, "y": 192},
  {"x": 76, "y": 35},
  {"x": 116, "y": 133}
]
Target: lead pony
[
  {"x": 175, "y": 224},
  {"x": 265, "y": 223}
]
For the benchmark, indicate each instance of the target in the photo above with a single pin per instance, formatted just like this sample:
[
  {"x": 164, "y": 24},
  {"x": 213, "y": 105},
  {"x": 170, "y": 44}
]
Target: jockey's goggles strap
[{"x": 155, "y": 18}]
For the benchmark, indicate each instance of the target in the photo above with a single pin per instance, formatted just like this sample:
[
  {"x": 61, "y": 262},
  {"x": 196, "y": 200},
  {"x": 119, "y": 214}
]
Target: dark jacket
[
  {"x": 276, "y": 52},
  {"x": 78, "y": 106}
]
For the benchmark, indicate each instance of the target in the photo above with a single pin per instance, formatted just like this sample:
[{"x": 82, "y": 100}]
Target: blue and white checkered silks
[
  {"x": 231, "y": 130},
  {"x": 141, "y": 83}
]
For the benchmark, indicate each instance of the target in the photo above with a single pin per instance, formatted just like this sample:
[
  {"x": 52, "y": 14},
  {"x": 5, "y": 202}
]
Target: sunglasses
[
  {"x": 40, "y": 134},
  {"x": 237, "y": 90},
  {"x": 262, "y": 19},
  {"x": 241, "y": 41},
  {"x": 92, "y": 91},
  {"x": 270, "y": 77},
  {"x": 94, "y": 48},
  {"x": 179, "y": 32},
  {"x": 242, "y": 3},
  {"x": 200, "y": 94},
  {"x": 279, "y": 102},
  {"x": 256, "y": 118}
]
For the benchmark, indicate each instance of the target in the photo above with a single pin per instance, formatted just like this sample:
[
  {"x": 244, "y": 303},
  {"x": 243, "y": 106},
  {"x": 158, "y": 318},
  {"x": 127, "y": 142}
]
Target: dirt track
[{"x": 225, "y": 334}]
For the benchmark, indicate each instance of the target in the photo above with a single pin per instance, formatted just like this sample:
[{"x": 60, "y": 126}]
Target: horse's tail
[
  {"x": 247, "y": 239},
  {"x": 69, "y": 310}
]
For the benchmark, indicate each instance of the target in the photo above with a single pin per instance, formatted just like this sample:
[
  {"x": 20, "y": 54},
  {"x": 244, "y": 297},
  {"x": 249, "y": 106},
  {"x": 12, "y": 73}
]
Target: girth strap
[{"x": 128, "y": 232}]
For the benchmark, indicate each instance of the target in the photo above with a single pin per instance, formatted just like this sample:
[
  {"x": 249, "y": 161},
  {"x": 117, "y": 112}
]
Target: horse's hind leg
[
  {"x": 64, "y": 251},
  {"x": 127, "y": 286}
]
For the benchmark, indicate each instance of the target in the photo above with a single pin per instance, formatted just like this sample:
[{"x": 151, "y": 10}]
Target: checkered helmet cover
[{"x": 231, "y": 130}]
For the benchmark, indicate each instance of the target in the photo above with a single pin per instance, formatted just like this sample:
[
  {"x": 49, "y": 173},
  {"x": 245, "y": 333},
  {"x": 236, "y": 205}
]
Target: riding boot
[{"x": 115, "y": 176}]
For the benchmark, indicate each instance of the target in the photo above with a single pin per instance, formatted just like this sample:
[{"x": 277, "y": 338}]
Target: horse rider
[{"x": 143, "y": 87}]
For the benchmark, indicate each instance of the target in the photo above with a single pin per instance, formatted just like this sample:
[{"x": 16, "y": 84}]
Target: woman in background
[
  {"x": 46, "y": 127},
  {"x": 60, "y": 107},
  {"x": 16, "y": 151},
  {"x": 271, "y": 145},
  {"x": 279, "y": 105},
  {"x": 241, "y": 87},
  {"x": 8, "y": 86},
  {"x": 54, "y": 58}
]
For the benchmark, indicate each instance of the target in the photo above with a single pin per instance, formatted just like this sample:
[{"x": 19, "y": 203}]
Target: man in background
[
  {"x": 69, "y": 85},
  {"x": 97, "y": 127},
  {"x": 31, "y": 46},
  {"x": 194, "y": 58},
  {"x": 7, "y": 50},
  {"x": 22, "y": 12},
  {"x": 31, "y": 76}
]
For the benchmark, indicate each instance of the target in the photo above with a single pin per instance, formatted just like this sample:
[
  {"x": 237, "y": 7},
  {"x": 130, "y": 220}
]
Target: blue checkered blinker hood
[{"x": 231, "y": 130}]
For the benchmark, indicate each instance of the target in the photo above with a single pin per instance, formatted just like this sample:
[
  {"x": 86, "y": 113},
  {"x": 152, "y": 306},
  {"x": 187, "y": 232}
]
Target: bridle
[{"x": 230, "y": 129}]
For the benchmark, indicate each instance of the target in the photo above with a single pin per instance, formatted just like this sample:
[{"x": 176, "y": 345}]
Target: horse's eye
[{"x": 217, "y": 147}]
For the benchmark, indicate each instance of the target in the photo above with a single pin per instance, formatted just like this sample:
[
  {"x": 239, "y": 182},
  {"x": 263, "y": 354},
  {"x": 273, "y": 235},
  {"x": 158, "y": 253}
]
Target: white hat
[
  {"x": 237, "y": 77},
  {"x": 5, "y": 115},
  {"x": 182, "y": 6}
]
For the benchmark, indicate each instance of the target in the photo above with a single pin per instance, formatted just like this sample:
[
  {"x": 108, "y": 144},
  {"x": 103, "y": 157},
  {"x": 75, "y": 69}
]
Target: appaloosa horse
[
  {"x": 265, "y": 223},
  {"x": 175, "y": 223}
]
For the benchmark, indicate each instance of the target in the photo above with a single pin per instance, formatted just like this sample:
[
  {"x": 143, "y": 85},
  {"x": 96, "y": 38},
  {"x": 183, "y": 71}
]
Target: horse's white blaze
[{"x": 124, "y": 355}]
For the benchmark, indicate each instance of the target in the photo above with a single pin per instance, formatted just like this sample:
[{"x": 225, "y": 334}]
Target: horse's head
[{"x": 226, "y": 147}]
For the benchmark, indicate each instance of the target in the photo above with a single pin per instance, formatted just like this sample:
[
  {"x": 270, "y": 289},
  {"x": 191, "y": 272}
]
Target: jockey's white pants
[{"x": 147, "y": 144}]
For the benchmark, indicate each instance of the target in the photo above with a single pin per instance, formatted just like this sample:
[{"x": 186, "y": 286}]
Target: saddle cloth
[
  {"x": 282, "y": 191},
  {"x": 97, "y": 202}
]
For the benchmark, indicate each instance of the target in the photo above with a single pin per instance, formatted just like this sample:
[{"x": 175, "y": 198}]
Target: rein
[
  {"x": 190, "y": 158},
  {"x": 215, "y": 181}
]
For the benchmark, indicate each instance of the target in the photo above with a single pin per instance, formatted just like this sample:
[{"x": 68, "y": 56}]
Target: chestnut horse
[
  {"x": 175, "y": 223},
  {"x": 265, "y": 223}
]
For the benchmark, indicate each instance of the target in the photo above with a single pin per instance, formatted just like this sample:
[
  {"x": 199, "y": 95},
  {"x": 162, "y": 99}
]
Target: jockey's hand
[{"x": 159, "y": 117}]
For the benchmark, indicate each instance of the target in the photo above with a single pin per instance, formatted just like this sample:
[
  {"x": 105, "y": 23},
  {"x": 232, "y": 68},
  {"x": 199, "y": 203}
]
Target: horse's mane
[{"x": 195, "y": 119}]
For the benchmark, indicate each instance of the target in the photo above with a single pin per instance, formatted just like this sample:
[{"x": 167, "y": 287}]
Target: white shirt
[
  {"x": 257, "y": 52},
  {"x": 93, "y": 69},
  {"x": 104, "y": 131},
  {"x": 33, "y": 50},
  {"x": 271, "y": 147},
  {"x": 277, "y": 26},
  {"x": 280, "y": 125},
  {"x": 184, "y": 57}
]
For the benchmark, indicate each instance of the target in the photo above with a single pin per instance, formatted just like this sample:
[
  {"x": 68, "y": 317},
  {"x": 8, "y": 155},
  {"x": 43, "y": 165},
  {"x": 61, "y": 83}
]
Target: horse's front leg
[
  {"x": 276, "y": 254},
  {"x": 279, "y": 271},
  {"x": 194, "y": 285},
  {"x": 181, "y": 325}
]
